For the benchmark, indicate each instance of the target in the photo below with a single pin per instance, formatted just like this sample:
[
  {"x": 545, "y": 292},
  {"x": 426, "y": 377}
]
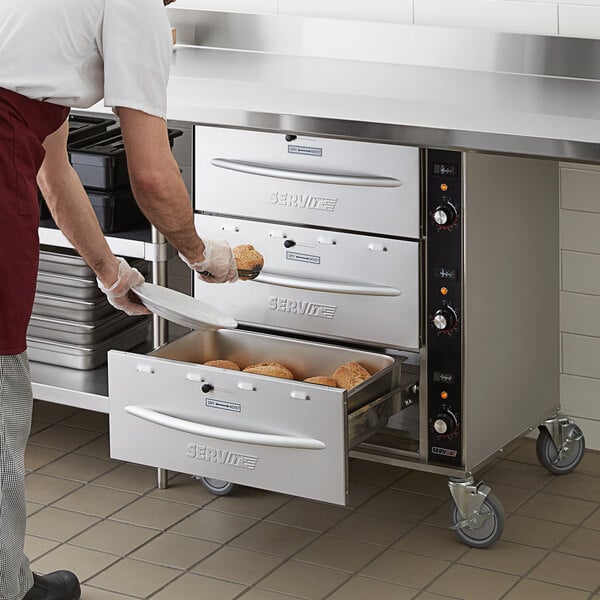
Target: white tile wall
[
  {"x": 579, "y": 21},
  {"x": 392, "y": 11},
  {"x": 248, "y": 6}
]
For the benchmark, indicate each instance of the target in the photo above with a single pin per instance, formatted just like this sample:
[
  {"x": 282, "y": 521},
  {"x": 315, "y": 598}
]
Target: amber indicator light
[
  {"x": 444, "y": 291},
  {"x": 444, "y": 187},
  {"x": 444, "y": 395}
]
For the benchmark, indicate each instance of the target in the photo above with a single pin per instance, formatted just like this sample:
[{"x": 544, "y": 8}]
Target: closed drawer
[
  {"x": 337, "y": 285},
  {"x": 166, "y": 410},
  {"x": 329, "y": 183}
]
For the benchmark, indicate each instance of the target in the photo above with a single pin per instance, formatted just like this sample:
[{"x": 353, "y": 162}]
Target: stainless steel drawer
[
  {"x": 287, "y": 436},
  {"x": 315, "y": 181},
  {"x": 338, "y": 285}
]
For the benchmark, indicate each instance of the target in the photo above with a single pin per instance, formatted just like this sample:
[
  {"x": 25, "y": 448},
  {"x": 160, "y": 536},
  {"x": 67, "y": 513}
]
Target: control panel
[{"x": 444, "y": 302}]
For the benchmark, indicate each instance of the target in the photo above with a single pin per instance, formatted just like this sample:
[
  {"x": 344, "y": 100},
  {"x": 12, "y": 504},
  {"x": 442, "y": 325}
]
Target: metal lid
[{"x": 182, "y": 309}]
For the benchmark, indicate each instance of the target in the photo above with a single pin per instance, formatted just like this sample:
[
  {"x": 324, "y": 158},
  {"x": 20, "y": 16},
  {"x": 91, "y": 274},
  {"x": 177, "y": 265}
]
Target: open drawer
[{"x": 168, "y": 411}]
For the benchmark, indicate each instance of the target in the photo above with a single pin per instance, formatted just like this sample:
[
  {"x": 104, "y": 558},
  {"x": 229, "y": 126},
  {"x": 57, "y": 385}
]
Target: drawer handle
[
  {"x": 329, "y": 178},
  {"x": 327, "y": 286},
  {"x": 220, "y": 433}
]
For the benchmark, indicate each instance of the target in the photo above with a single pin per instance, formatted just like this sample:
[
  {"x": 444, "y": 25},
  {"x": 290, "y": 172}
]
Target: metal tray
[
  {"x": 85, "y": 357},
  {"x": 73, "y": 332},
  {"x": 67, "y": 287},
  {"x": 80, "y": 311}
]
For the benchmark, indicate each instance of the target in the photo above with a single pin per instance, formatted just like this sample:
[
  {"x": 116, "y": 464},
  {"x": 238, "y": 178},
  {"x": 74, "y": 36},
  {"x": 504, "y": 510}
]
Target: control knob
[
  {"x": 445, "y": 423},
  {"x": 444, "y": 215},
  {"x": 444, "y": 319}
]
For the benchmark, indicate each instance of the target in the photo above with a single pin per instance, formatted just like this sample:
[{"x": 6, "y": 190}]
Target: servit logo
[
  {"x": 308, "y": 201},
  {"x": 301, "y": 307},
  {"x": 221, "y": 457}
]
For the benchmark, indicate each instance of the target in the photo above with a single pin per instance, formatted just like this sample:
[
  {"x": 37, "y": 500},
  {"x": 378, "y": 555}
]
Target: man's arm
[
  {"x": 157, "y": 183},
  {"x": 71, "y": 208}
]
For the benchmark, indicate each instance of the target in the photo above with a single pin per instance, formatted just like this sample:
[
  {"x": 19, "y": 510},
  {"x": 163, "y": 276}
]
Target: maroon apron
[{"x": 24, "y": 125}]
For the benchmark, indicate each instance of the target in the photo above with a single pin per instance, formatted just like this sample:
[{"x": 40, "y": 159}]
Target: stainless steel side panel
[
  {"x": 275, "y": 434},
  {"x": 315, "y": 181},
  {"x": 342, "y": 286}
]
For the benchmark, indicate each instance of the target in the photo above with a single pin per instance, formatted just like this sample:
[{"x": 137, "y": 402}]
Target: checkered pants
[{"x": 16, "y": 403}]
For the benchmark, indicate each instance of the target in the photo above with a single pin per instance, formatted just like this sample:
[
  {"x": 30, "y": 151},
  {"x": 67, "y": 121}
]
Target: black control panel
[{"x": 444, "y": 302}]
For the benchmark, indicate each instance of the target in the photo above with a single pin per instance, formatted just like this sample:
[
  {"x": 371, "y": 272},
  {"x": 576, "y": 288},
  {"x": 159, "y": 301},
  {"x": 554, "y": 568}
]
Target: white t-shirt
[{"x": 74, "y": 52}]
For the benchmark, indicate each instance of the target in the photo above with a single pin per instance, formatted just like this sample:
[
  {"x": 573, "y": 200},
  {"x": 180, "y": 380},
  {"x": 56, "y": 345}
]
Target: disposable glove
[
  {"x": 218, "y": 265},
  {"x": 119, "y": 293}
]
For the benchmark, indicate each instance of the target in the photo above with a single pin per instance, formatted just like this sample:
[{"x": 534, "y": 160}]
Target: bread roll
[
  {"x": 350, "y": 375},
  {"x": 248, "y": 258},
  {"x": 272, "y": 369},
  {"x": 321, "y": 380},
  {"x": 223, "y": 364}
]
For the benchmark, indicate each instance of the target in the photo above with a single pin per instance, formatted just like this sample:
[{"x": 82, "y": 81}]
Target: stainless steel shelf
[{"x": 136, "y": 243}]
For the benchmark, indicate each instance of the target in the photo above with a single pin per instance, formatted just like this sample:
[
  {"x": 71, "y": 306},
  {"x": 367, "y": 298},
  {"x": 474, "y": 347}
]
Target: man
[{"x": 57, "y": 54}]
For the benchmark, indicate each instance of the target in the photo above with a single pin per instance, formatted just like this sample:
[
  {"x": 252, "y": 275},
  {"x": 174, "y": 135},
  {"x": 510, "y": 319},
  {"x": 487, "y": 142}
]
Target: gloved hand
[
  {"x": 119, "y": 293},
  {"x": 218, "y": 264}
]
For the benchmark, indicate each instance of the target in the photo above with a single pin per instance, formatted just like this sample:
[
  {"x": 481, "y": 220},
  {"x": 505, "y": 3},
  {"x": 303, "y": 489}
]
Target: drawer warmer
[{"x": 431, "y": 268}]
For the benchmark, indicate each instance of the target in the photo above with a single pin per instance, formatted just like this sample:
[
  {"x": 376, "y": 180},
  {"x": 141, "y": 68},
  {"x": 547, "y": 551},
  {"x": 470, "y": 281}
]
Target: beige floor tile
[
  {"x": 582, "y": 542},
  {"x": 35, "y": 546},
  {"x": 238, "y": 565},
  {"x": 590, "y": 465},
  {"x": 567, "y": 570},
  {"x": 527, "y": 589},
  {"x": 37, "y": 456},
  {"x": 506, "y": 557},
  {"x": 134, "y": 577},
  {"x": 574, "y": 485},
  {"x": 534, "y": 532},
  {"x": 96, "y": 500},
  {"x": 50, "y": 412},
  {"x": 557, "y": 508},
  {"x": 78, "y": 467},
  {"x": 250, "y": 502},
  {"x": 33, "y": 507},
  {"x": 274, "y": 539},
  {"x": 402, "y": 505},
  {"x": 303, "y": 580},
  {"x": 184, "y": 489},
  {"x": 518, "y": 475},
  {"x": 375, "y": 529},
  {"x": 129, "y": 478},
  {"x": 339, "y": 553},
  {"x": 88, "y": 419},
  {"x": 423, "y": 483},
  {"x": 114, "y": 538},
  {"x": 256, "y": 594},
  {"x": 83, "y": 562},
  {"x": 524, "y": 453},
  {"x": 404, "y": 568},
  {"x": 191, "y": 586},
  {"x": 45, "y": 490},
  {"x": 38, "y": 426},
  {"x": 99, "y": 448},
  {"x": 440, "y": 517},
  {"x": 57, "y": 524},
  {"x": 359, "y": 588},
  {"x": 511, "y": 497},
  {"x": 309, "y": 515},
  {"x": 62, "y": 438},
  {"x": 177, "y": 551},
  {"x": 213, "y": 525},
  {"x": 152, "y": 512},
  {"x": 431, "y": 596},
  {"x": 91, "y": 593},
  {"x": 470, "y": 583},
  {"x": 372, "y": 473},
  {"x": 359, "y": 493},
  {"x": 431, "y": 541},
  {"x": 593, "y": 521}
]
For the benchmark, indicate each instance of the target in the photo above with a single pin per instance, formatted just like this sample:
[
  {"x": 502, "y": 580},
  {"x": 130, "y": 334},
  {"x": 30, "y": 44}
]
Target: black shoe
[{"x": 60, "y": 585}]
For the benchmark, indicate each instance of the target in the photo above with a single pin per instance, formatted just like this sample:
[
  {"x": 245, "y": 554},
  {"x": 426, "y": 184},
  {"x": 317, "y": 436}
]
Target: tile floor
[{"x": 107, "y": 521}]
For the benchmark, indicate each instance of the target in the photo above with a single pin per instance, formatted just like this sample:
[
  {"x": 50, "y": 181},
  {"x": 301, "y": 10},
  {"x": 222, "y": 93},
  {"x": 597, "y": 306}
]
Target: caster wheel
[
  {"x": 217, "y": 487},
  {"x": 549, "y": 458},
  {"x": 491, "y": 529}
]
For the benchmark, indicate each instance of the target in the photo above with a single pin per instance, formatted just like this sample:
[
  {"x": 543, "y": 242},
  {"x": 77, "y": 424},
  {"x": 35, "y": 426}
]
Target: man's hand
[
  {"x": 218, "y": 264},
  {"x": 119, "y": 293}
]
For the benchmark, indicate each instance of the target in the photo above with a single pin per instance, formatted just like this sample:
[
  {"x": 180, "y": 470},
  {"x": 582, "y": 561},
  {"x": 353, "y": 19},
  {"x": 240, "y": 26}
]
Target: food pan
[
  {"x": 80, "y": 288},
  {"x": 83, "y": 126},
  {"x": 85, "y": 357},
  {"x": 80, "y": 311},
  {"x": 73, "y": 332}
]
